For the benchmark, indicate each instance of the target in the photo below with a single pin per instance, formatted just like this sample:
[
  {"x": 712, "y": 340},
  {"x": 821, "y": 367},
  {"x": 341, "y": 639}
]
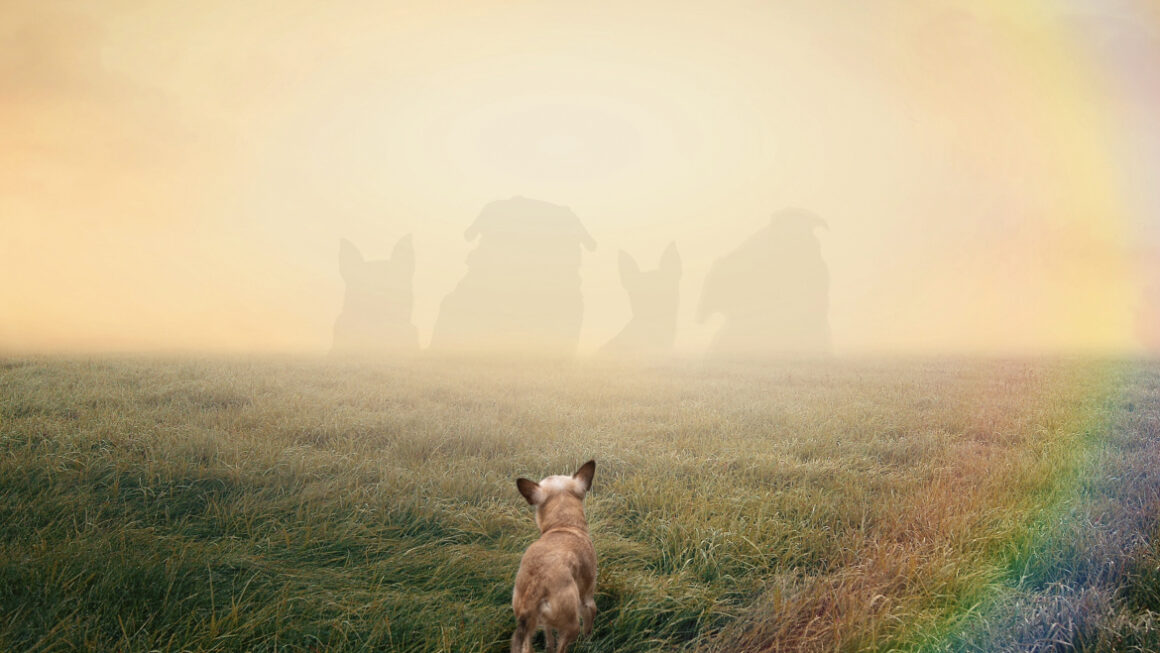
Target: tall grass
[{"x": 273, "y": 504}]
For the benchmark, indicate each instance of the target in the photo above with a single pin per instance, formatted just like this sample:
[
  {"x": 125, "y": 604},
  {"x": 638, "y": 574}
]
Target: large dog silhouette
[
  {"x": 521, "y": 292},
  {"x": 654, "y": 297},
  {"x": 773, "y": 291},
  {"x": 376, "y": 313}
]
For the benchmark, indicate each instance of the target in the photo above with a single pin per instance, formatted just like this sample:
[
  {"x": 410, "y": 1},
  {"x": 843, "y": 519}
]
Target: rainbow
[
  {"x": 1056, "y": 579},
  {"x": 1082, "y": 85}
]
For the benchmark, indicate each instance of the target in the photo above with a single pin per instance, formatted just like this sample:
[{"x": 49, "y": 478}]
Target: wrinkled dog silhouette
[
  {"x": 774, "y": 291},
  {"x": 376, "y": 313},
  {"x": 654, "y": 297},
  {"x": 521, "y": 291},
  {"x": 556, "y": 583}
]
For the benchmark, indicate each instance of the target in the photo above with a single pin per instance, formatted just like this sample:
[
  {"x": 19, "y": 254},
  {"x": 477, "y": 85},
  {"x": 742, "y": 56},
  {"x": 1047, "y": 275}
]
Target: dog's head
[
  {"x": 378, "y": 291},
  {"x": 558, "y": 499},
  {"x": 653, "y": 295}
]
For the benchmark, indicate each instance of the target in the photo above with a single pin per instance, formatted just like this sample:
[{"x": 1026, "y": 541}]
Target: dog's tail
[{"x": 522, "y": 638}]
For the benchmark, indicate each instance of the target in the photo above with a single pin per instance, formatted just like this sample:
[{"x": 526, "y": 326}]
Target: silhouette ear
[
  {"x": 584, "y": 474},
  {"x": 483, "y": 222},
  {"x": 578, "y": 228},
  {"x": 349, "y": 258},
  {"x": 671, "y": 261},
  {"x": 586, "y": 239},
  {"x": 404, "y": 255},
  {"x": 629, "y": 270},
  {"x": 531, "y": 490}
]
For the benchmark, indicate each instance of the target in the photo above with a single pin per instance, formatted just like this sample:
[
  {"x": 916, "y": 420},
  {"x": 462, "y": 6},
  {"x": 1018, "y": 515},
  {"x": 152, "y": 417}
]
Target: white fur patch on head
[{"x": 556, "y": 484}]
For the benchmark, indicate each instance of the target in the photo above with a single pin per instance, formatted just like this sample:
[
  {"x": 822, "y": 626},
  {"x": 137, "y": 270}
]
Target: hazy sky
[{"x": 177, "y": 175}]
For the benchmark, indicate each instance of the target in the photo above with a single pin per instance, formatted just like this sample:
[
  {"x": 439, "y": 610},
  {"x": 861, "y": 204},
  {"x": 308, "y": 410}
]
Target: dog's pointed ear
[
  {"x": 584, "y": 474},
  {"x": 629, "y": 270},
  {"x": 531, "y": 490}
]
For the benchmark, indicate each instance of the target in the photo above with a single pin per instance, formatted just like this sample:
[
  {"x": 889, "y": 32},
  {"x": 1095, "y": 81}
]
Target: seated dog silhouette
[
  {"x": 376, "y": 313},
  {"x": 556, "y": 582},
  {"x": 521, "y": 291},
  {"x": 654, "y": 297},
  {"x": 774, "y": 291}
]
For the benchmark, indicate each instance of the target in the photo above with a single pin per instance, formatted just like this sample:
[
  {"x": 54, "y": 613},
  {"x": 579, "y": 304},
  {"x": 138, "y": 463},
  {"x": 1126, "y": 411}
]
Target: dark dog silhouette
[
  {"x": 654, "y": 297},
  {"x": 773, "y": 291},
  {"x": 376, "y": 314},
  {"x": 521, "y": 291}
]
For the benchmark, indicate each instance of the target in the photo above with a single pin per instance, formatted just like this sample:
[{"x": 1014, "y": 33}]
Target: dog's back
[{"x": 556, "y": 582}]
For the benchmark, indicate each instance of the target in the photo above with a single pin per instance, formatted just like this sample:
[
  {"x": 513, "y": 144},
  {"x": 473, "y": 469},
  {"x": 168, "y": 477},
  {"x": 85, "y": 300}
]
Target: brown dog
[{"x": 557, "y": 576}]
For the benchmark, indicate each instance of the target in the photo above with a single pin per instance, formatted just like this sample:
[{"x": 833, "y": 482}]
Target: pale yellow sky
[{"x": 178, "y": 175}]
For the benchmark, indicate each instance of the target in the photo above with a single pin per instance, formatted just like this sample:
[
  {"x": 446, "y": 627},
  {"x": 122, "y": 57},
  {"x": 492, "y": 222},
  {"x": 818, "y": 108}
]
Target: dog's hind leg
[
  {"x": 589, "y": 615},
  {"x": 567, "y": 636},
  {"x": 565, "y": 616},
  {"x": 549, "y": 639},
  {"x": 522, "y": 638}
]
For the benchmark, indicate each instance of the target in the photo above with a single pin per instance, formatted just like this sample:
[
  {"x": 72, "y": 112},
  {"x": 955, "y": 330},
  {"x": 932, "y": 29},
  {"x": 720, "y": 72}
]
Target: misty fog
[{"x": 178, "y": 177}]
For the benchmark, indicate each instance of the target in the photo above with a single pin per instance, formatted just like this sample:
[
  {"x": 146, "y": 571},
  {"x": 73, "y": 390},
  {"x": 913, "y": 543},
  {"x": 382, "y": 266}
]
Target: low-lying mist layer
[{"x": 229, "y": 505}]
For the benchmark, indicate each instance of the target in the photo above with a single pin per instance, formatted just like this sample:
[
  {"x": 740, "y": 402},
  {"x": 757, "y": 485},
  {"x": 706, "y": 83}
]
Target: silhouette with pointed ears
[
  {"x": 376, "y": 312},
  {"x": 654, "y": 297}
]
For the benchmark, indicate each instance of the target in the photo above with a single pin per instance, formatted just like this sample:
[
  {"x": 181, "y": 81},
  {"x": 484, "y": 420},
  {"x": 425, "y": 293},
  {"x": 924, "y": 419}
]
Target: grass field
[{"x": 231, "y": 505}]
